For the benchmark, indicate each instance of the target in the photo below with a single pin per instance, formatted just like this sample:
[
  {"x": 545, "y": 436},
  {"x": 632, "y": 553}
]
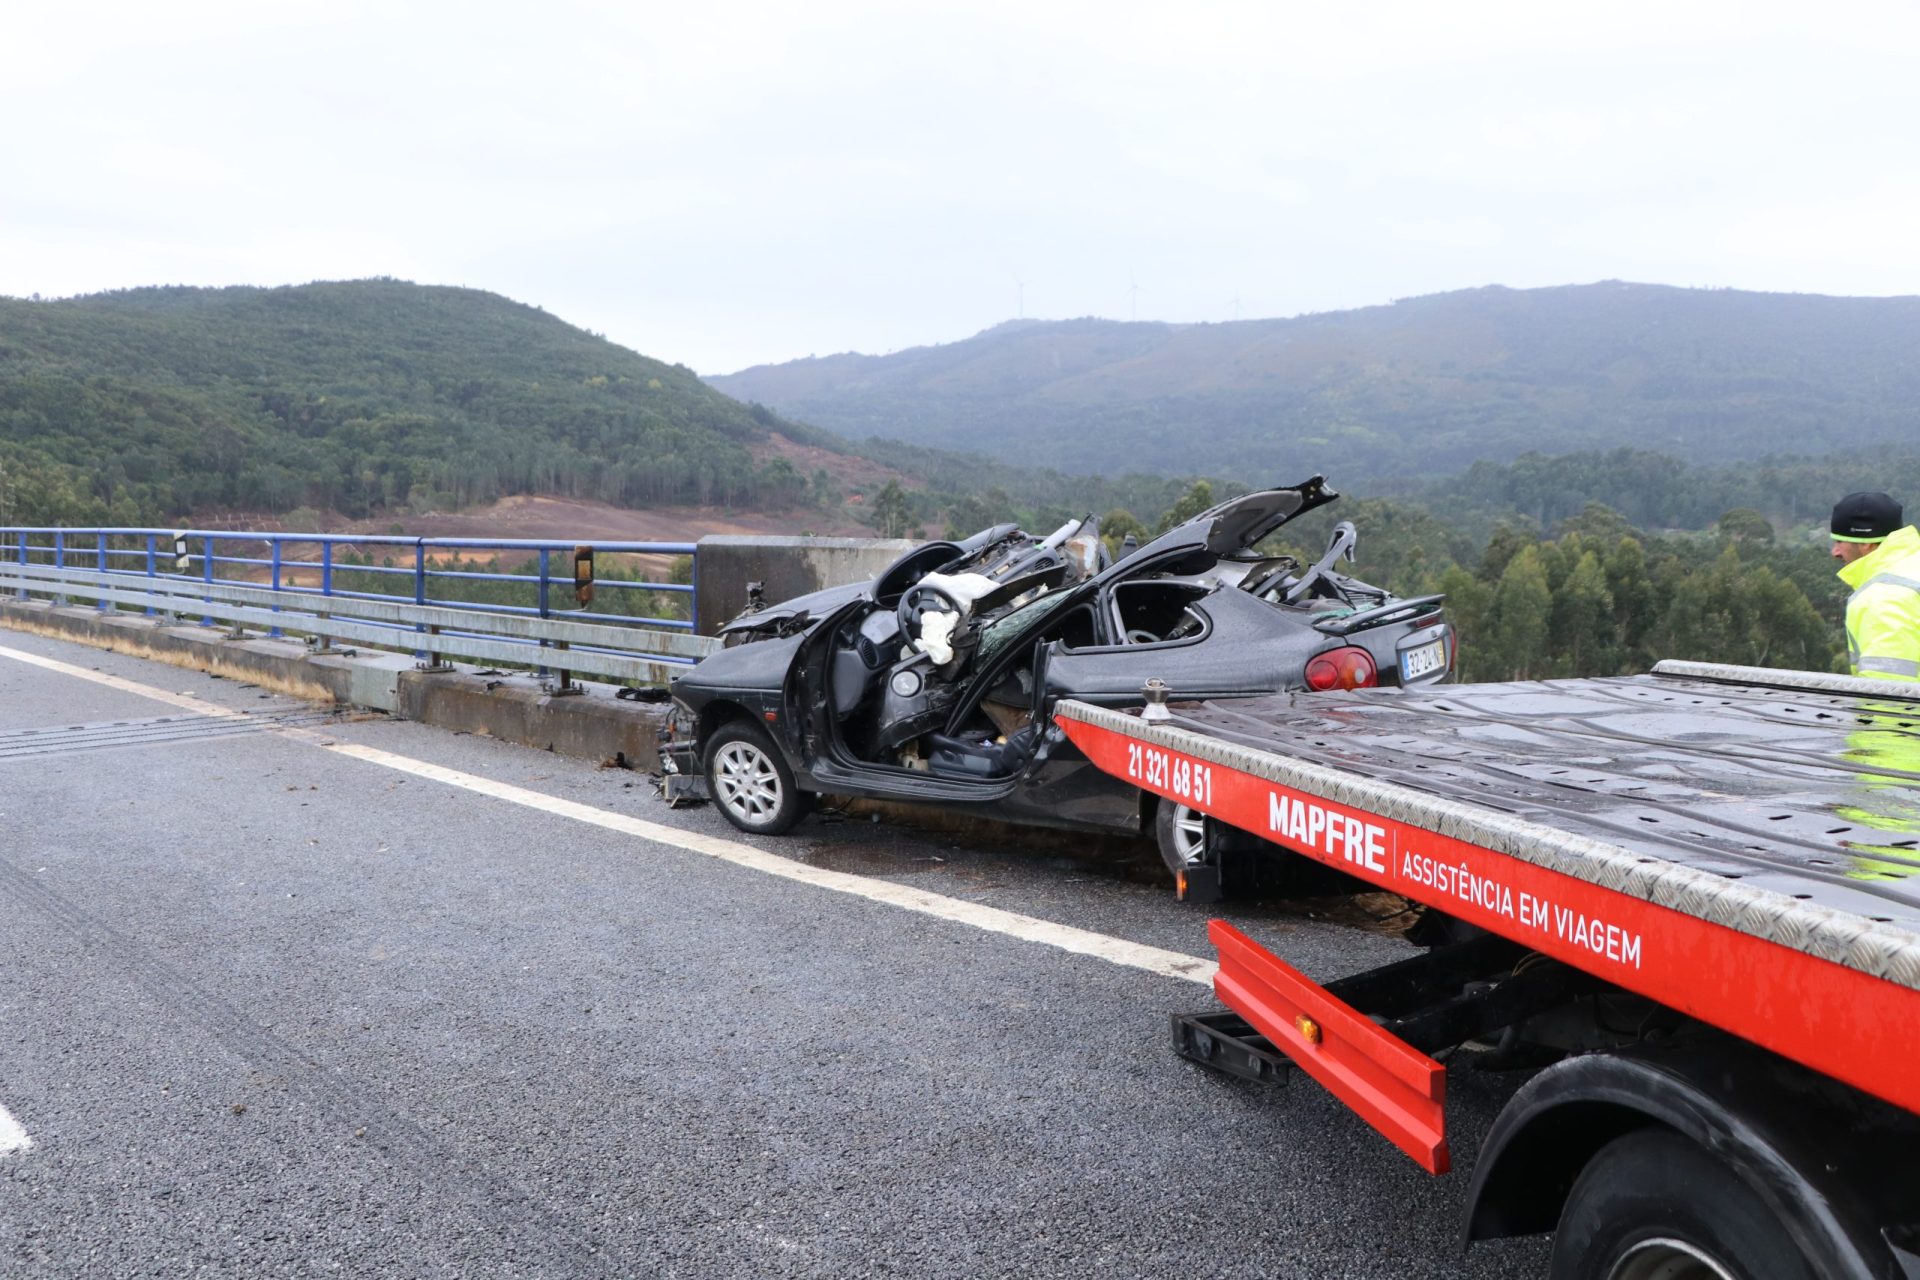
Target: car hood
[{"x": 815, "y": 604}]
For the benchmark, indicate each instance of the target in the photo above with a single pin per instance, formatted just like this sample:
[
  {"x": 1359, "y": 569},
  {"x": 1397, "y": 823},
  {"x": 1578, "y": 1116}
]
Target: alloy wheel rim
[
  {"x": 1668, "y": 1259},
  {"x": 748, "y": 783},
  {"x": 1189, "y": 835}
]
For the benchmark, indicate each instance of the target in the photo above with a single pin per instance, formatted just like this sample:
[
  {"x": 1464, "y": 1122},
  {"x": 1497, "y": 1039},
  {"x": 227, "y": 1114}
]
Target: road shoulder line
[{"x": 13, "y": 1138}]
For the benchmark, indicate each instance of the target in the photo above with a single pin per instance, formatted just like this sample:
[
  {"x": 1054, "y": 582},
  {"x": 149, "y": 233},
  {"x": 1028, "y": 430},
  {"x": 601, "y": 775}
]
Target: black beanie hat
[{"x": 1865, "y": 517}]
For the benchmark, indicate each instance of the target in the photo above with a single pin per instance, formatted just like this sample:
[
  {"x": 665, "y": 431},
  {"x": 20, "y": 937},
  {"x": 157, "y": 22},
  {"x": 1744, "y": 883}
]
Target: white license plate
[{"x": 1423, "y": 661}]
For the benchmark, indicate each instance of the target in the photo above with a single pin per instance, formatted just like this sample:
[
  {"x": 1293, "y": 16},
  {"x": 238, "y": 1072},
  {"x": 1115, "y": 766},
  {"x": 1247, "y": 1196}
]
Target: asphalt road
[{"x": 266, "y": 1010}]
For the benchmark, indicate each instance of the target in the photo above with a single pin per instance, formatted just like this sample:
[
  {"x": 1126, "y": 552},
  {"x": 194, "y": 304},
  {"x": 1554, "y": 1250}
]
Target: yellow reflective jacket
[
  {"x": 1884, "y": 804},
  {"x": 1883, "y": 613}
]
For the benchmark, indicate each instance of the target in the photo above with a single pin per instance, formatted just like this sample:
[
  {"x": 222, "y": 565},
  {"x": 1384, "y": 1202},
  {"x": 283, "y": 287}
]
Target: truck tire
[
  {"x": 1655, "y": 1206},
  {"x": 750, "y": 781}
]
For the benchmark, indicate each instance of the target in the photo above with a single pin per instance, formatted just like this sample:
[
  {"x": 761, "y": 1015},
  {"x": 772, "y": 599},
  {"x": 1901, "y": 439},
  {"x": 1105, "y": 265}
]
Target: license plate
[{"x": 1423, "y": 661}]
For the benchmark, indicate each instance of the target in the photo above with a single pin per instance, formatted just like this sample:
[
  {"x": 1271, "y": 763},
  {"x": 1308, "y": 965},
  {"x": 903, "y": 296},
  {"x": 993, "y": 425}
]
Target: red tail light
[{"x": 1348, "y": 668}]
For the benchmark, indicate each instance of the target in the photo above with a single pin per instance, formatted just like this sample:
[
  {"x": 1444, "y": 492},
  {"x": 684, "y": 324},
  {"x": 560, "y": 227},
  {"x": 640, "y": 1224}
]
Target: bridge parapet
[{"x": 325, "y": 587}]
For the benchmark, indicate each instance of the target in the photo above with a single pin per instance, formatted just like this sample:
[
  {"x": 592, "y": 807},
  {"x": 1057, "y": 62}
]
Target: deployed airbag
[
  {"x": 936, "y": 636},
  {"x": 961, "y": 588}
]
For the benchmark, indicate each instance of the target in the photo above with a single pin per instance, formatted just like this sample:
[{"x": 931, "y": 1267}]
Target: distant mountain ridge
[
  {"x": 1423, "y": 386},
  {"x": 355, "y": 397}
]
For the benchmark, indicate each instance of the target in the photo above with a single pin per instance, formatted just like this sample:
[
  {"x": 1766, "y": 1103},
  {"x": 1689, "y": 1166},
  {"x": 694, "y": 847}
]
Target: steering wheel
[
  {"x": 1140, "y": 635},
  {"x": 921, "y": 599}
]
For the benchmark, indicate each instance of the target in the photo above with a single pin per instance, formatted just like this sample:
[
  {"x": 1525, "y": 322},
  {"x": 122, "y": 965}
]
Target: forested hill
[
  {"x": 1425, "y": 386},
  {"x": 353, "y": 397}
]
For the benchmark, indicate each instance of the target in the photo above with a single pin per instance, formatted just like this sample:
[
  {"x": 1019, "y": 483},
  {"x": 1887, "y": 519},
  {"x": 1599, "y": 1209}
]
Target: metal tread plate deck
[{"x": 1601, "y": 820}]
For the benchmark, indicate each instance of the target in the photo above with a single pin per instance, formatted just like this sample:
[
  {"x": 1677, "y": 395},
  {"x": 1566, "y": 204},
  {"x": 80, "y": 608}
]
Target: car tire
[
  {"x": 750, "y": 781},
  {"x": 1655, "y": 1206},
  {"x": 1190, "y": 845}
]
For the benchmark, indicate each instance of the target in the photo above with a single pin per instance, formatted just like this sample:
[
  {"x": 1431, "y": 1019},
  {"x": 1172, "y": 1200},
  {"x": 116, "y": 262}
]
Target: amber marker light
[{"x": 1308, "y": 1028}]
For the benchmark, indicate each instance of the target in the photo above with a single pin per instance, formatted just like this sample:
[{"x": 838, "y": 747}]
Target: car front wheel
[{"x": 750, "y": 781}]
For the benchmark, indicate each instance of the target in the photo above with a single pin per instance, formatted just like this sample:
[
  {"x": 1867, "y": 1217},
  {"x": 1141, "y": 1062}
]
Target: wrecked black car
[{"x": 933, "y": 683}]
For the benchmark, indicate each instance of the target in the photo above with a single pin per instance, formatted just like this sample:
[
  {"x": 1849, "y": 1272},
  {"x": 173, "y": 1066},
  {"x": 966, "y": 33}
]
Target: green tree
[
  {"x": 822, "y": 491},
  {"x": 1582, "y": 634},
  {"x": 1522, "y": 609},
  {"x": 1469, "y": 607},
  {"x": 1191, "y": 503},
  {"x": 967, "y": 515},
  {"x": 1502, "y": 547},
  {"x": 1746, "y": 615},
  {"x": 780, "y": 484},
  {"x": 891, "y": 514},
  {"x": 1598, "y": 521},
  {"x": 1635, "y": 610},
  {"x": 1744, "y": 524},
  {"x": 1118, "y": 525}
]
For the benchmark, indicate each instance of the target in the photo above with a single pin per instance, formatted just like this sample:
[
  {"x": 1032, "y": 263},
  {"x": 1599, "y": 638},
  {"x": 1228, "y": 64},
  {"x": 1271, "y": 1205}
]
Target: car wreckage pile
[{"x": 934, "y": 682}]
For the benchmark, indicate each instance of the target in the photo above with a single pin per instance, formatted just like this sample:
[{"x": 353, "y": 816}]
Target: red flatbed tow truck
[{"x": 1694, "y": 896}]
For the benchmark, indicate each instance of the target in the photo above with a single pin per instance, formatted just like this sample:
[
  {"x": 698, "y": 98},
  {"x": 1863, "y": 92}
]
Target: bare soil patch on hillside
[
  {"x": 572, "y": 520},
  {"x": 853, "y": 475}
]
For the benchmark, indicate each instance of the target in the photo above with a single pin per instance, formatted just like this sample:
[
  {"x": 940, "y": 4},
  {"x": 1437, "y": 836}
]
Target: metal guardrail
[{"x": 315, "y": 594}]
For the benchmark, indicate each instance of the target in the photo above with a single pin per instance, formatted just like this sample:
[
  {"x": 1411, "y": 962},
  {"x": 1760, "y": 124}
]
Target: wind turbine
[{"x": 1133, "y": 297}]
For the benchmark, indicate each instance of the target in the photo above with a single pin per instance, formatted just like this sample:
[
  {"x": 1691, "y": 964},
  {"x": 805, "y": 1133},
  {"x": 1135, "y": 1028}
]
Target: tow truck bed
[{"x": 1740, "y": 845}]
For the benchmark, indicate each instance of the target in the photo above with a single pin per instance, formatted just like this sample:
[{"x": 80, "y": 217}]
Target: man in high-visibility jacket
[{"x": 1880, "y": 559}]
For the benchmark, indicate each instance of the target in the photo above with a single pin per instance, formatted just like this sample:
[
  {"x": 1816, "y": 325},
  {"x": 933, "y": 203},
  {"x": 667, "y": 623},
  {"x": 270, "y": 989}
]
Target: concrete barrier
[{"x": 787, "y": 566}]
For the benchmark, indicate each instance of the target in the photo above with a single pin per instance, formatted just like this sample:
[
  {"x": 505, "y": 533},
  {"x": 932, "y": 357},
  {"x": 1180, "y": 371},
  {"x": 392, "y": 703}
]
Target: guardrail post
[
  {"x": 100, "y": 562},
  {"x": 430, "y": 660},
  {"x": 152, "y": 568},
  {"x": 541, "y": 671},
  {"x": 206, "y": 574},
  {"x": 275, "y": 542},
  {"x": 693, "y": 599},
  {"x": 420, "y": 586},
  {"x": 566, "y": 687},
  {"x": 433, "y": 661},
  {"x": 234, "y": 630},
  {"x": 59, "y": 559},
  {"x": 323, "y": 643},
  {"x": 23, "y": 562}
]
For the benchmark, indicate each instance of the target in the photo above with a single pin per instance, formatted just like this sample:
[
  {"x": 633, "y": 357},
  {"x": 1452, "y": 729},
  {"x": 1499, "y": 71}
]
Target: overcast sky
[{"x": 723, "y": 185}]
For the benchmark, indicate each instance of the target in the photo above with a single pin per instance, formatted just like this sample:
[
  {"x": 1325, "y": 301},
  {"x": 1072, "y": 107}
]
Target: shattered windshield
[{"x": 997, "y": 634}]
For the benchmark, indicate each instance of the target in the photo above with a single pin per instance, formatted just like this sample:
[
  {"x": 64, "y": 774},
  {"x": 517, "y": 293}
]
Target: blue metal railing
[{"x": 457, "y": 573}]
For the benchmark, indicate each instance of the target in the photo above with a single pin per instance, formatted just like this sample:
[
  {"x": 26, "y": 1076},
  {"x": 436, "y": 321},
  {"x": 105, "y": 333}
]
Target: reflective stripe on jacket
[{"x": 1883, "y": 613}]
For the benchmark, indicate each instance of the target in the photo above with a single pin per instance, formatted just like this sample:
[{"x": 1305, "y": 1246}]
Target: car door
[{"x": 1059, "y": 786}]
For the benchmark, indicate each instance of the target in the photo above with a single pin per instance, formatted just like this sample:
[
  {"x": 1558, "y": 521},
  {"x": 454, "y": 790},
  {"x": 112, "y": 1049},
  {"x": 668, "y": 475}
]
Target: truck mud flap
[{"x": 1393, "y": 1086}]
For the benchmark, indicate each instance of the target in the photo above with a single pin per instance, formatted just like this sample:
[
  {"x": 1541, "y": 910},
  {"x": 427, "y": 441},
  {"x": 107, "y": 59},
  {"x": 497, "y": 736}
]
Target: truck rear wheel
[{"x": 1655, "y": 1206}]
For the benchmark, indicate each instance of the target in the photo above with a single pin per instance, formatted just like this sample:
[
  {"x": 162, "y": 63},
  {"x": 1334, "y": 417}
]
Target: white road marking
[
  {"x": 185, "y": 701},
  {"x": 1133, "y": 955},
  {"x": 13, "y": 1138}
]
